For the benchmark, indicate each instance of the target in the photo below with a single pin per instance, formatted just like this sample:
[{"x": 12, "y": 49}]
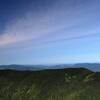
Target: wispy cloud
[
  {"x": 76, "y": 37},
  {"x": 36, "y": 25}
]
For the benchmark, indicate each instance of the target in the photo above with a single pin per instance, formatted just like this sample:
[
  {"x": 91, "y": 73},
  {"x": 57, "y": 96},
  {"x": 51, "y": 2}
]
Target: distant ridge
[
  {"x": 21, "y": 67},
  {"x": 92, "y": 66}
]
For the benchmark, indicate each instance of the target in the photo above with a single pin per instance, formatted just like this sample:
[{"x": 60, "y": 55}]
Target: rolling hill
[{"x": 54, "y": 84}]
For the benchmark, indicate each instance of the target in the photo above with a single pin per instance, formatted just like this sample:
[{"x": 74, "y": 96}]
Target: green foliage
[{"x": 66, "y": 84}]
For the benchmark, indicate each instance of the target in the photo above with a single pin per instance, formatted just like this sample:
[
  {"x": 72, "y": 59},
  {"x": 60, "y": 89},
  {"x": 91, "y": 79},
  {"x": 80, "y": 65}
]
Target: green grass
[{"x": 62, "y": 84}]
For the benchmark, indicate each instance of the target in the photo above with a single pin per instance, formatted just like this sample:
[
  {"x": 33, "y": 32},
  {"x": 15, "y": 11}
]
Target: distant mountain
[
  {"x": 92, "y": 66},
  {"x": 21, "y": 67}
]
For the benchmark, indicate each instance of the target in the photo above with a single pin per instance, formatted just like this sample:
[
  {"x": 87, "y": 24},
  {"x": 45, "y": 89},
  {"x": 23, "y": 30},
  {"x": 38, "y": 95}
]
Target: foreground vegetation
[{"x": 57, "y": 84}]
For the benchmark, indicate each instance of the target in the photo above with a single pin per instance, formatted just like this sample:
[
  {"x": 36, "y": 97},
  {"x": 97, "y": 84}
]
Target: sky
[{"x": 49, "y": 31}]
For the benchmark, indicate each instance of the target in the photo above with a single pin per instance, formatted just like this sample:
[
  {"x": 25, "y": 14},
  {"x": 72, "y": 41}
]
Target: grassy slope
[{"x": 63, "y": 84}]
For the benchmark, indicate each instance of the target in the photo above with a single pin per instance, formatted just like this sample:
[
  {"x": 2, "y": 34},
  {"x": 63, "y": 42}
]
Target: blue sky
[{"x": 49, "y": 31}]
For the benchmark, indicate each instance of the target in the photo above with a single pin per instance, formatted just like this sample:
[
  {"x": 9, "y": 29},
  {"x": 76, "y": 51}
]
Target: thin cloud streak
[
  {"x": 35, "y": 25},
  {"x": 88, "y": 36}
]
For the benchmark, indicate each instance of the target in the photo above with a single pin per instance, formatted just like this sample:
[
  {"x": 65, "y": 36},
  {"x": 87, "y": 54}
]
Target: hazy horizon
[{"x": 52, "y": 63}]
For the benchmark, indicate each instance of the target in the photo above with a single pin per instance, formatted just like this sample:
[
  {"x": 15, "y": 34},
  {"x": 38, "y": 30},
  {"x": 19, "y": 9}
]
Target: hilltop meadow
[{"x": 51, "y": 84}]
